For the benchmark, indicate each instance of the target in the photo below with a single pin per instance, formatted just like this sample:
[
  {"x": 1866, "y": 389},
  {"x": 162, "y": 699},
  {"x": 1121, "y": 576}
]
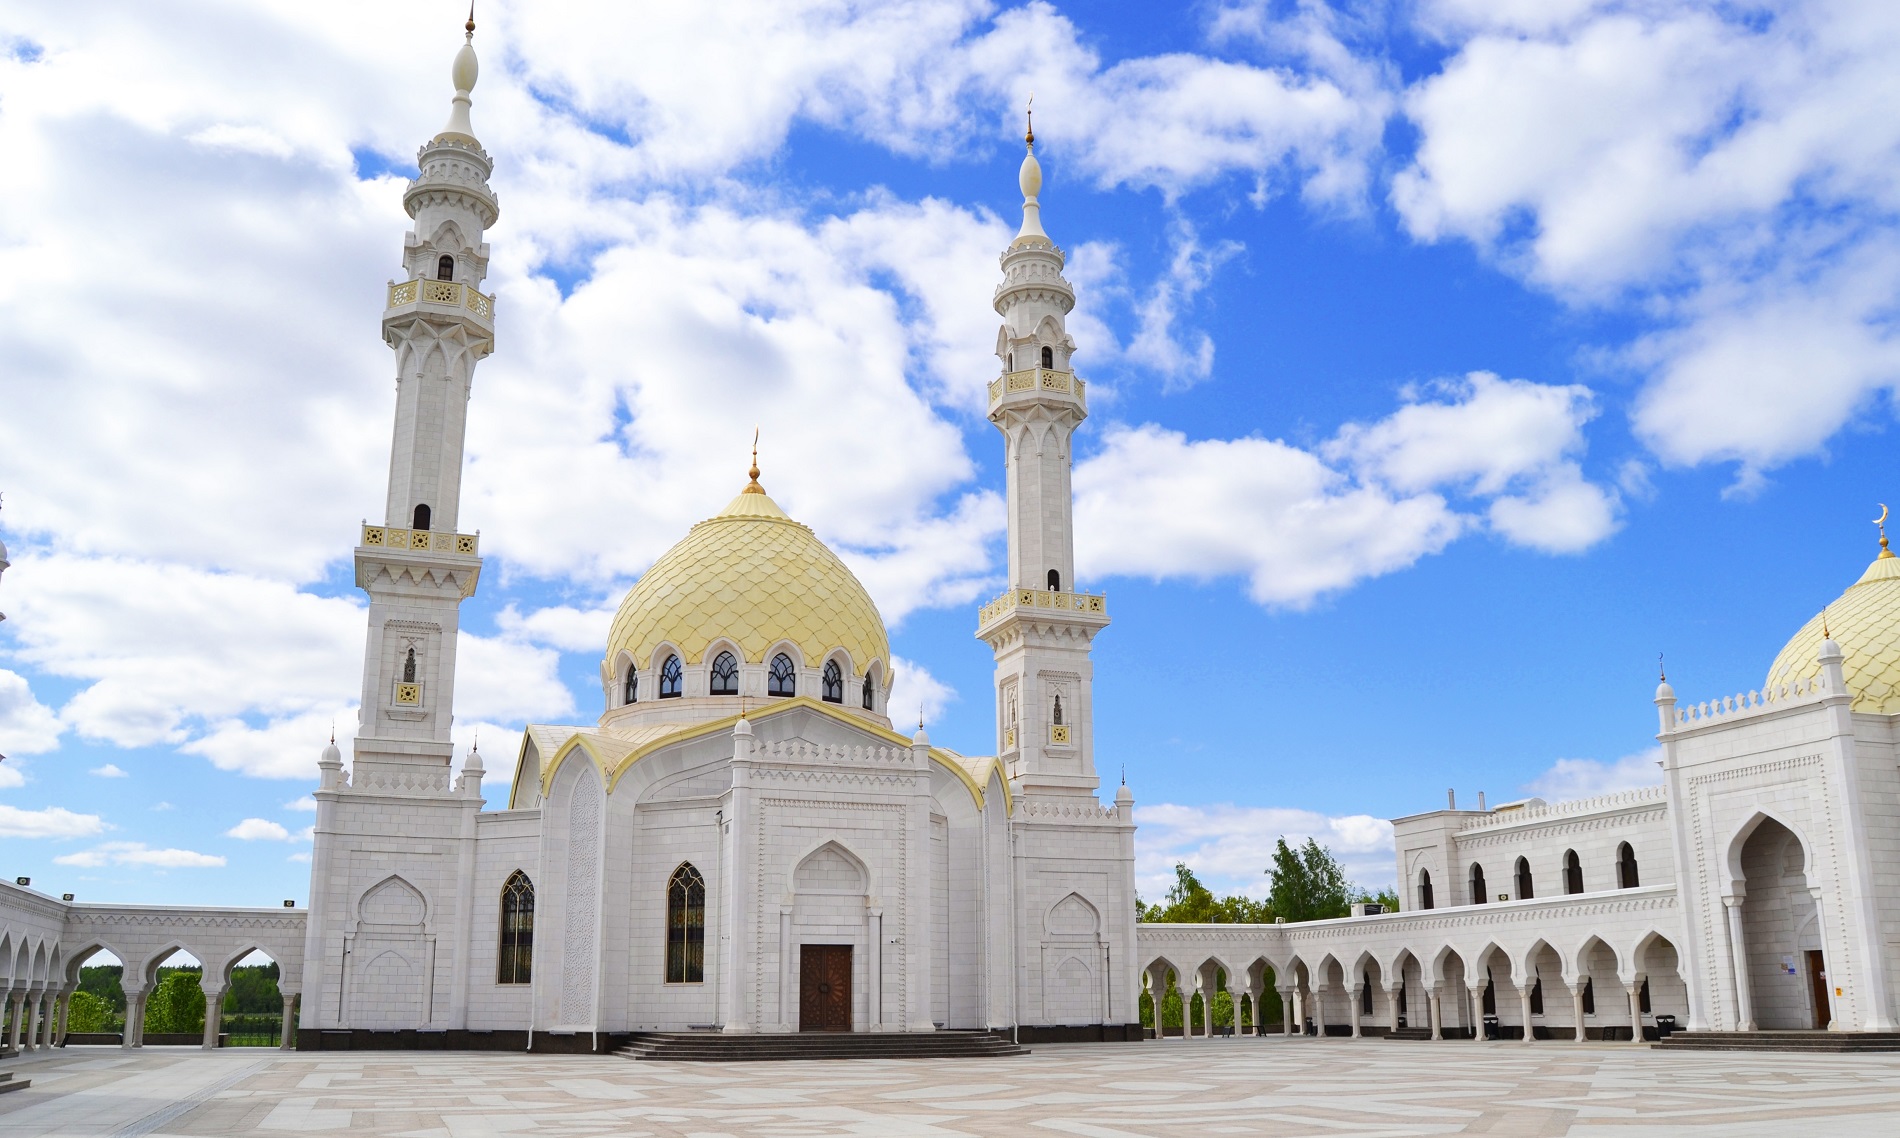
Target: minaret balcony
[
  {"x": 1038, "y": 381},
  {"x": 449, "y": 298},
  {"x": 1043, "y": 602},
  {"x": 388, "y": 537}
]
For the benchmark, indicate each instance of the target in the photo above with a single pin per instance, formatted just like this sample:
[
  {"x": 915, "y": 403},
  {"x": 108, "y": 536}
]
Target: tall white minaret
[
  {"x": 1040, "y": 630},
  {"x": 415, "y": 566}
]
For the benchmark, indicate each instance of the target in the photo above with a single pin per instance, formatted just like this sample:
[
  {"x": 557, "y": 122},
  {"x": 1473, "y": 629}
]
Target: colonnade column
[
  {"x": 1286, "y": 1013},
  {"x": 1353, "y": 994},
  {"x": 134, "y": 1019},
  {"x": 1524, "y": 1002},
  {"x": 1392, "y": 1005},
  {"x": 1319, "y": 1013},
  {"x": 1477, "y": 1014},
  {"x": 1636, "y": 1010},
  {"x": 284, "y": 1040},
  {"x": 49, "y": 1019},
  {"x": 214, "y": 1016},
  {"x": 1576, "y": 1010},
  {"x": 1431, "y": 1000},
  {"x": 34, "y": 1016},
  {"x": 1738, "y": 963}
]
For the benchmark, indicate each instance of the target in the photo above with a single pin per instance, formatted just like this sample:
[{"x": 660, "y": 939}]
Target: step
[
  {"x": 697, "y": 1047},
  {"x": 9, "y": 1083},
  {"x": 1812, "y": 1041}
]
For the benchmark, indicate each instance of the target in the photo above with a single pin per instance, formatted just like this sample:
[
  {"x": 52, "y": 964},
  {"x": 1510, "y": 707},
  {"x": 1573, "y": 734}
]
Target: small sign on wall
[{"x": 1787, "y": 966}]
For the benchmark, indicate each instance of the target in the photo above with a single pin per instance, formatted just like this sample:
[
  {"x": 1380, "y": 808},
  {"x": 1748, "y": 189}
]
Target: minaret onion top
[
  {"x": 1030, "y": 178},
  {"x": 464, "y": 74}
]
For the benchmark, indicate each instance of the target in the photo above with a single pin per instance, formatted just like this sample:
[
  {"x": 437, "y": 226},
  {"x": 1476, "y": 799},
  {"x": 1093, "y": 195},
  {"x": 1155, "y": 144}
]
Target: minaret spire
[
  {"x": 1041, "y": 629},
  {"x": 464, "y": 73}
]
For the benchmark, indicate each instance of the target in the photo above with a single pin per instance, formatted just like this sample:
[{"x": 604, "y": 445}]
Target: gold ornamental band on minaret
[
  {"x": 1881, "y": 521},
  {"x": 753, "y": 486}
]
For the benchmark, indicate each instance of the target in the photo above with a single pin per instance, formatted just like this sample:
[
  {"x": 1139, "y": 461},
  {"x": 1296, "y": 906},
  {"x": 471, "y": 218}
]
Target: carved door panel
[
  {"x": 824, "y": 987},
  {"x": 1817, "y": 980}
]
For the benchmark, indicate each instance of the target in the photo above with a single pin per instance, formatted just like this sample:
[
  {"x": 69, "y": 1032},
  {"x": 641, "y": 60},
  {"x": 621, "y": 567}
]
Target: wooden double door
[{"x": 824, "y": 987}]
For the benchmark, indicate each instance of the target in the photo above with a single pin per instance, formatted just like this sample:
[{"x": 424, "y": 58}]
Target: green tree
[
  {"x": 177, "y": 1004},
  {"x": 1308, "y": 883},
  {"x": 1387, "y": 899},
  {"x": 87, "y": 1012},
  {"x": 104, "y": 981},
  {"x": 253, "y": 990},
  {"x": 1190, "y": 902}
]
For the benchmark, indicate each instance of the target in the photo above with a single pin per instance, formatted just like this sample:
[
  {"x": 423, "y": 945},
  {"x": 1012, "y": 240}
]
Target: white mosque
[{"x": 742, "y": 844}]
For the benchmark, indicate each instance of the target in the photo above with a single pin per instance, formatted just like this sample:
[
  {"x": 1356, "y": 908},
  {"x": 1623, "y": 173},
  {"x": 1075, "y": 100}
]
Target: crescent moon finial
[{"x": 1881, "y": 521}]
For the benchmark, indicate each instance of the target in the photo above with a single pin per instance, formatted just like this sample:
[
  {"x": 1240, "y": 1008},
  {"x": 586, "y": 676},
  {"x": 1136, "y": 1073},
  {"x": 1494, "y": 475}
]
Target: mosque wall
[{"x": 505, "y": 841}]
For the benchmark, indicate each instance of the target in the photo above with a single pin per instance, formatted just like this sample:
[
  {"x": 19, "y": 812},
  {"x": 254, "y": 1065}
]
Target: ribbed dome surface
[
  {"x": 1865, "y": 622},
  {"x": 757, "y": 577}
]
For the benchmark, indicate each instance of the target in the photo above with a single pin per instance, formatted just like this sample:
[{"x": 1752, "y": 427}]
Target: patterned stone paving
[{"x": 1272, "y": 1087}]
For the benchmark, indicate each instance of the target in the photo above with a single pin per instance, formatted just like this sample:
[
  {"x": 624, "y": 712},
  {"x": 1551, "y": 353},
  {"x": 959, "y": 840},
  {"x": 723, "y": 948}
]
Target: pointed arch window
[
  {"x": 1524, "y": 890},
  {"x": 725, "y": 674},
  {"x": 1058, "y": 711},
  {"x": 445, "y": 268},
  {"x": 1626, "y": 877},
  {"x": 870, "y": 695},
  {"x": 1048, "y": 357},
  {"x": 630, "y": 692},
  {"x": 517, "y": 930},
  {"x": 686, "y": 926},
  {"x": 409, "y": 667},
  {"x": 833, "y": 691},
  {"x": 1573, "y": 872},
  {"x": 1055, "y": 581},
  {"x": 421, "y": 517},
  {"x": 1424, "y": 888},
  {"x": 671, "y": 677},
  {"x": 1478, "y": 895},
  {"x": 783, "y": 678}
]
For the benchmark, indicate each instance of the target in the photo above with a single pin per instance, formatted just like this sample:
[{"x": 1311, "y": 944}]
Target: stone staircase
[
  {"x": 9, "y": 1083},
  {"x": 1816, "y": 1041},
  {"x": 714, "y": 1047},
  {"x": 1410, "y": 1034}
]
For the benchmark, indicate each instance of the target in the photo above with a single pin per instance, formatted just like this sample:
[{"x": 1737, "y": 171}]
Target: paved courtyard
[{"x": 1363, "y": 1088}]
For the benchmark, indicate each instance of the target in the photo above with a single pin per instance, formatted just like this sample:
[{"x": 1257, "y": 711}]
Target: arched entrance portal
[{"x": 1785, "y": 972}]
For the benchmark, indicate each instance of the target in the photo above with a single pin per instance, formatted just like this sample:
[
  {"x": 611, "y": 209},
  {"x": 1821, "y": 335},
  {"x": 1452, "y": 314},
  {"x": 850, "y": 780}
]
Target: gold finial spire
[
  {"x": 471, "y": 19},
  {"x": 1029, "y": 119},
  {"x": 753, "y": 486},
  {"x": 1661, "y": 674},
  {"x": 1881, "y": 521},
  {"x": 1825, "y": 634}
]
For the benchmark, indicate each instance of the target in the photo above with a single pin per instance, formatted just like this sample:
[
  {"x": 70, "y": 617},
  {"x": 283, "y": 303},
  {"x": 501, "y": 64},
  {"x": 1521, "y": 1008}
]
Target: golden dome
[
  {"x": 1865, "y": 622},
  {"x": 756, "y": 577}
]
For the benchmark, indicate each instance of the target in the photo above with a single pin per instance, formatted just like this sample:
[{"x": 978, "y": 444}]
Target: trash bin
[
  {"x": 1491, "y": 1027},
  {"x": 1665, "y": 1025}
]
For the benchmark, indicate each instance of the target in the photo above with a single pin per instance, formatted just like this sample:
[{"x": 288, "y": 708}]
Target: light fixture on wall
[
  {"x": 290, "y": 904},
  {"x": 65, "y": 896},
  {"x": 23, "y": 881}
]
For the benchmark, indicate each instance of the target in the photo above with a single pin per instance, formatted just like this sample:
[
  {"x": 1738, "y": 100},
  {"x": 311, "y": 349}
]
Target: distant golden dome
[
  {"x": 1865, "y": 622},
  {"x": 754, "y": 576}
]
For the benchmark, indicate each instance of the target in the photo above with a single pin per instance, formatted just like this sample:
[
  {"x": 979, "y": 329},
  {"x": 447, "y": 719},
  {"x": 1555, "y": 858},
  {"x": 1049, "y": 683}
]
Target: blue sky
[{"x": 1449, "y": 360}]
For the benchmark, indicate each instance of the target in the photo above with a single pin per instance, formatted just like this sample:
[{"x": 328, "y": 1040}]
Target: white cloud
[
  {"x": 50, "y": 822},
  {"x": 1152, "y": 503},
  {"x": 1586, "y": 778},
  {"x": 258, "y": 829},
  {"x": 138, "y": 853},
  {"x": 27, "y": 726},
  {"x": 1725, "y": 171},
  {"x": 110, "y": 770},
  {"x": 10, "y": 777},
  {"x": 306, "y": 804},
  {"x": 1230, "y": 847},
  {"x": 302, "y": 857},
  {"x": 916, "y": 695}
]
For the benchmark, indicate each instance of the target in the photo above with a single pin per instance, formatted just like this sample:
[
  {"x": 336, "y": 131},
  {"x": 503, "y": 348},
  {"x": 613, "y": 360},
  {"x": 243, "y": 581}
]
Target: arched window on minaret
[
  {"x": 1055, "y": 580},
  {"x": 1058, "y": 719},
  {"x": 445, "y": 268},
  {"x": 409, "y": 667},
  {"x": 631, "y": 692},
  {"x": 870, "y": 695},
  {"x": 834, "y": 682},
  {"x": 517, "y": 931},
  {"x": 1048, "y": 356},
  {"x": 671, "y": 676},
  {"x": 422, "y": 517}
]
